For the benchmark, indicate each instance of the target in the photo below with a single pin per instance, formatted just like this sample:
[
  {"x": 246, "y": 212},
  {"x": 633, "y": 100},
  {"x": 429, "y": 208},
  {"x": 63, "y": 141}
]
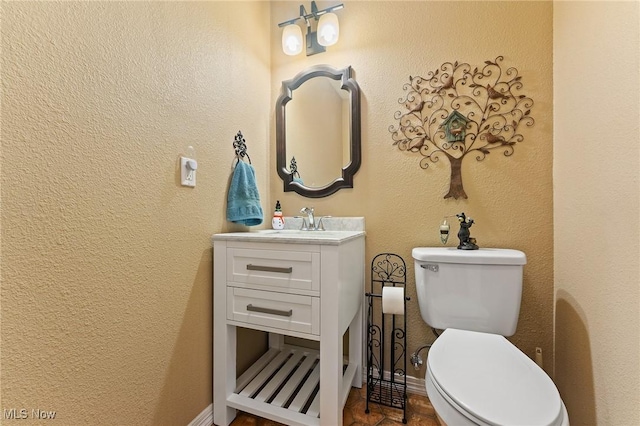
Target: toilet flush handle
[{"x": 432, "y": 268}]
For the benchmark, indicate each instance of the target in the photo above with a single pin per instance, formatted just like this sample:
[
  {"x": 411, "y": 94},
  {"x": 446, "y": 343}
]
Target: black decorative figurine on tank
[{"x": 464, "y": 235}]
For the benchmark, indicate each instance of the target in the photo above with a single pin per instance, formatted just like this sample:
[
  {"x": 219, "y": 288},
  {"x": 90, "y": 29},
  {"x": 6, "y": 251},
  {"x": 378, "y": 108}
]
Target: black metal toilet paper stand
[{"x": 386, "y": 366}]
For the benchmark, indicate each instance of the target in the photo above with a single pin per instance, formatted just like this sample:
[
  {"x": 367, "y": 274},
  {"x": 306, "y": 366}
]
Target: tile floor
[{"x": 419, "y": 413}]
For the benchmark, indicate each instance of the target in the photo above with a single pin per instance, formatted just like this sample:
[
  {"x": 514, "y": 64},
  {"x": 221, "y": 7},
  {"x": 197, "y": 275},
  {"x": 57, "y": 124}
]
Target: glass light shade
[
  {"x": 292, "y": 40},
  {"x": 328, "y": 29}
]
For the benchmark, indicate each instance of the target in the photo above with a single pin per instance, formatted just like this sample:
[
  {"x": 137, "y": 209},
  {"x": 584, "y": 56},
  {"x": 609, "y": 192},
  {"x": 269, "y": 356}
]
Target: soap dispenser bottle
[
  {"x": 444, "y": 232},
  {"x": 278, "y": 220}
]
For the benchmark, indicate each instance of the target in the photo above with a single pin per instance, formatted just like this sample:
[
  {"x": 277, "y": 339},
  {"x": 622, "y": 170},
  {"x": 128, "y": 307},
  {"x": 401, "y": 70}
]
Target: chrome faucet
[{"x": 309, "y": 223}]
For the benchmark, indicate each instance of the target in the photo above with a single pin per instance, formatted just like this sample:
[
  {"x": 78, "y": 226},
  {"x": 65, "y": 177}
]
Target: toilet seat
[{"x": 491, "y": 382}]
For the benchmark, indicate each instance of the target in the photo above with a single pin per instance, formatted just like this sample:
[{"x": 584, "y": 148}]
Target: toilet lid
[{"x": 492, "y": 380}]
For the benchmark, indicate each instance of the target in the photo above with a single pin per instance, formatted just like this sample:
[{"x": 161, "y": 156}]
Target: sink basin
[{"x": 310, "y": 234}]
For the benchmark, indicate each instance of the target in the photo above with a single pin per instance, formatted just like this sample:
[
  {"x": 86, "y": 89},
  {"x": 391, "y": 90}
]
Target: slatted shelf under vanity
[{"x": 283, "y": 385}]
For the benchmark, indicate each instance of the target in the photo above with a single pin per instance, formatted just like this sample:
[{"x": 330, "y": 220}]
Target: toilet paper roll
[{"x": 393, "y": 300}]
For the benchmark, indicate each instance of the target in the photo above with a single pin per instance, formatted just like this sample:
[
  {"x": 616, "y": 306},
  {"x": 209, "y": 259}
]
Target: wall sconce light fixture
[{"x": 326, "y": 34}]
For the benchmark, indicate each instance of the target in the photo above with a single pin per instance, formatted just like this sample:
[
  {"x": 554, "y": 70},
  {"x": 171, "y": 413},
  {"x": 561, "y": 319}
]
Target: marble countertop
[
  {"x": 338, "y": 231},
  {"x": 291, "y": 236}
]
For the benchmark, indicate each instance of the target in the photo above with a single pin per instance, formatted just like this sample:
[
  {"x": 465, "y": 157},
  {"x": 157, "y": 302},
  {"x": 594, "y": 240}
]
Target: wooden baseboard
[{"x": 205, "y": 418}]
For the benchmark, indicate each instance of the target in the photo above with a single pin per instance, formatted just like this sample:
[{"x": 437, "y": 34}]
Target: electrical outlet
[{"x": 188, "y": 167}]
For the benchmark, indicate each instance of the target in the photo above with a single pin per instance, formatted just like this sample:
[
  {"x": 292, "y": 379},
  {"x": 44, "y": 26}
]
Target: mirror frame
[{"x": 348, "y": 171}]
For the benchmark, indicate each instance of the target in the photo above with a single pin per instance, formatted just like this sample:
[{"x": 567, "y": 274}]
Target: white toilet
[{"x": 475, "y": 376}]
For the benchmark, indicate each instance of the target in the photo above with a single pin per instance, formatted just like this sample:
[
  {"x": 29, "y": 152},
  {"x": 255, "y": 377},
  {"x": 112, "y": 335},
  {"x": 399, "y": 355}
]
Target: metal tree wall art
[{"x": 458, "y": 110}]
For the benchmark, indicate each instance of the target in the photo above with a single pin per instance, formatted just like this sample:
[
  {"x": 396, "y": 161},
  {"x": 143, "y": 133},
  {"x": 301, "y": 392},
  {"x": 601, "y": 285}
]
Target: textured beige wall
[
  {"x": 510, "y": 198},
  {"x": 597, "y": 210},
  {"x": 106, "y": 259}
]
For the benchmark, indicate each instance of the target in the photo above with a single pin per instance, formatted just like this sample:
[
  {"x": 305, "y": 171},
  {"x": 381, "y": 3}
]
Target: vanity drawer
[
  {"x": 277, "y": 310},
  {"x": 279, "y": 269}
]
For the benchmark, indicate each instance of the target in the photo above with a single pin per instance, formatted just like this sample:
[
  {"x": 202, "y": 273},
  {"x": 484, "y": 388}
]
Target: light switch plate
[{"x": 187, "y": 176}]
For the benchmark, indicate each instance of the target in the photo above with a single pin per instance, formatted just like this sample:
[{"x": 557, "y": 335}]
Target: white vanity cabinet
[{"x": 288, "y": 283}]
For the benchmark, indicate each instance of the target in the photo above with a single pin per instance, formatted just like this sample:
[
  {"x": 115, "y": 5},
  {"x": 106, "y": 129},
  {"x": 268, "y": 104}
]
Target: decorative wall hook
[
  {"x": 240, "y": 146},
  {"x": 459, "y": 109}
]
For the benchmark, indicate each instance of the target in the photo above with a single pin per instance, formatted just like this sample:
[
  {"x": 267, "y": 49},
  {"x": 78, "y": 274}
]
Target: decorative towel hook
[{"x": 240, "y": 145}]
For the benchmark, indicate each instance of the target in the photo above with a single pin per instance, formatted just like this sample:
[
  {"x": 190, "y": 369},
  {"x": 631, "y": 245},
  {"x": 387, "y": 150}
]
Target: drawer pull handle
[
  {"x": 252, "y": 308},
  {"x": 251, "y": 267}
]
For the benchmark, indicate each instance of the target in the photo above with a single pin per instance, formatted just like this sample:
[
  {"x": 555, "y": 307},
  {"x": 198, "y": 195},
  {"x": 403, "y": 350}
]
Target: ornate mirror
[{"x": 318, "y": 131}]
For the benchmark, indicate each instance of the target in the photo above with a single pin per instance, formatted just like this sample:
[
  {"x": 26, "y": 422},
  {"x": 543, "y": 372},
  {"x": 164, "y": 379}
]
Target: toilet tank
[{"x": 478, "y": 290}]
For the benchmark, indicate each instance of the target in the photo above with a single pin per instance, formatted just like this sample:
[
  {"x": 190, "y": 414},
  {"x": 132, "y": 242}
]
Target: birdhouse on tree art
[{"x": 455, "y": 127}]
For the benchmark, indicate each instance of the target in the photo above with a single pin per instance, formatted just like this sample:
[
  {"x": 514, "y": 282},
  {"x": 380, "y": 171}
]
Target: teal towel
[{"x": 243, "y": 200}]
